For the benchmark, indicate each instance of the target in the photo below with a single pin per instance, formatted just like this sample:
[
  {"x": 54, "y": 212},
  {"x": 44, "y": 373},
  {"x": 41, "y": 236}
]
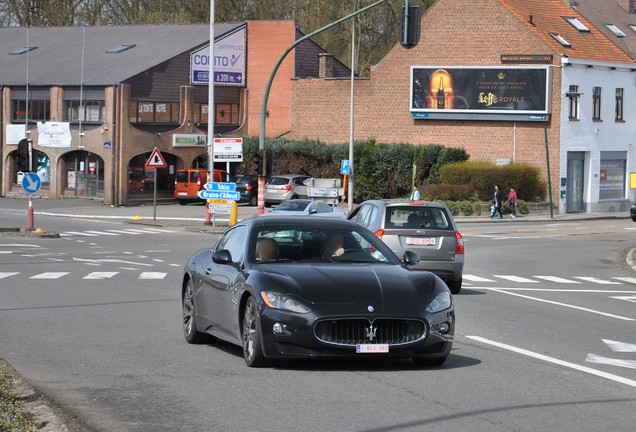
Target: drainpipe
[{"x": 115, "y": 177}]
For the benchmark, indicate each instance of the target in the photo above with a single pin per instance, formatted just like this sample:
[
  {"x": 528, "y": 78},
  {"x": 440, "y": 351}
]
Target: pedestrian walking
[
  {"x": 512, "y": 202},
  {"x": 497, "y": 199},
  {"x": 415, "y": 195}
]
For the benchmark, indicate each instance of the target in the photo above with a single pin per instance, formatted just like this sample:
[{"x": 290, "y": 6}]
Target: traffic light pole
[{"x": 261, "y": 141}]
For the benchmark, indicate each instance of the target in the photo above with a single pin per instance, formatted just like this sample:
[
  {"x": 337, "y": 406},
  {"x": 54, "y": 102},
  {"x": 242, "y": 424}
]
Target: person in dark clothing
[{"x": 496, "y": 202}]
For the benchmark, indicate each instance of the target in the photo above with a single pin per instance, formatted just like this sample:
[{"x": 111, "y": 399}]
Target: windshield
[
  {"x": 322, "y": 244},
  {"x": 293, "y": 205},
  {"x": 278, "y": 181}
]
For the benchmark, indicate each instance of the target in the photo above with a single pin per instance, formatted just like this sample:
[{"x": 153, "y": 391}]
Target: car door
[
  {"x": 222, "y": 280},
  {"x": 299, "y": 186}
]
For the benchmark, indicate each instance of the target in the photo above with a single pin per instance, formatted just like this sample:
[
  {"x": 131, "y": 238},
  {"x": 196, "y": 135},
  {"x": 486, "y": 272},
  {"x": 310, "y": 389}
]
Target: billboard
[
  {"x": 480, "y": 93},
  {"x": 229, "y": 63}
]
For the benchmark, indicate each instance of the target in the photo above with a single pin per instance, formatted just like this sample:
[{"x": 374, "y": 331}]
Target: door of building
[{"x": 575, "y": 182}]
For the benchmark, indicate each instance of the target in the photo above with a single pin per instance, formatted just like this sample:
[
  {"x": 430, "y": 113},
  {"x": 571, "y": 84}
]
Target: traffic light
[
  {"x": 259, "y": 162},
  {"x": 23, "y": 155},
  {"x": 410, "y": 34}
]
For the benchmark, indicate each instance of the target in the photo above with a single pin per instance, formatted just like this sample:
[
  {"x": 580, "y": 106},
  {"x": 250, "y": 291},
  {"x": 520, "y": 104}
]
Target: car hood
[{"x": 350, "y": 283}]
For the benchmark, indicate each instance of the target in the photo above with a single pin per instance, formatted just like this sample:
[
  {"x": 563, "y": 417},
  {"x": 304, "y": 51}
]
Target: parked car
[
  {"x": 247, "y": 186},
  {"x": 301, "y": 207},
  {"x": 281, "y": 188},
  {"x": 632, "y": 212},
  {"x": 427, "y": 228},
  {"x": 292, "y": 287},
  {"x": 188, "y": 183}
]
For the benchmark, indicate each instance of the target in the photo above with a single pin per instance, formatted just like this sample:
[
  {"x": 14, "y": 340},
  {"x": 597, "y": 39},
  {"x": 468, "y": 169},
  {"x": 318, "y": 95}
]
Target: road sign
[
  {"x": 156, "y": 160},
  {"x": 322, "y": 192},
  {"x": 345, "y": 166},
  {"x": 224, "y": 187},
  {"x": 31, "y": 183},
  {"x": 220, "y": 208},
  {"x": 228, "y": 149},
  {"x": 208, "y": 194}
]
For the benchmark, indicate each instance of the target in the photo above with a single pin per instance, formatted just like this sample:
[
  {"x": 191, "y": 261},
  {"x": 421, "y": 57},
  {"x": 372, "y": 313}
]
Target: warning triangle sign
[{"x": 156, "y": 160}]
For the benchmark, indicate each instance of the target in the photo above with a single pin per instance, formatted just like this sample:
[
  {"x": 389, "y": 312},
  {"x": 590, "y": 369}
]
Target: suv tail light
[
  {"x": 379, "y": 233},
  {"x": 288, "y": 187},
  {"x": 248, "y": 187},
  {"x": 459, "y": 243}
]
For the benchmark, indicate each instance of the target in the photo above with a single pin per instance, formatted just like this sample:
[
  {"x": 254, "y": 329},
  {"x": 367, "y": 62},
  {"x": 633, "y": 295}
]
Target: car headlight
[
  {"x": 441, "y": 302},
  {"x": 279, "y": 301}
]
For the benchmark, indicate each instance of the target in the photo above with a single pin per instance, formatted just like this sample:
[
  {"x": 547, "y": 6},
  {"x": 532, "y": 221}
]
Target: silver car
[
  {"x": 281, "y": 188},
  {"x": 426, "y": 228},
  {"x": 301, "y": 207}
]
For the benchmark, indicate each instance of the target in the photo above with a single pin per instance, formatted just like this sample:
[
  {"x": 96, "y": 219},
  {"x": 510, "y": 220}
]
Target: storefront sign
[
  {"x": 228, "y": 149},
  {"x": 54, "y": 134},
  {"x": 612, "y": 179},
  {"x": 15, "y": 132},
  {"x": 527, "y": 58},
  {"x": 481, "y": 93},
  {"x": 189, "y": 140},
  {"x": 229, "y": 61}
]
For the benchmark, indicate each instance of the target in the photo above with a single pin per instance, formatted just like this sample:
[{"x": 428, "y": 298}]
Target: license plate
[
  {"x": 421, "y": 241},
  {"x": 182, "y": 193},
  {"x": 372, "y": 348}
]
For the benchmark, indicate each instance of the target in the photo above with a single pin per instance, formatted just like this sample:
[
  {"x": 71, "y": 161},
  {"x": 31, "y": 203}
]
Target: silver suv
[
  {"x": 426, "y": 228},
  {"x": 284, "y": 187}
]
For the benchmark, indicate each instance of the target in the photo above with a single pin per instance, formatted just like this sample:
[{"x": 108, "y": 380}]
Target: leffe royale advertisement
[
  {"x": 229, "y": 63},
  {"x": 461, "y": 92}
]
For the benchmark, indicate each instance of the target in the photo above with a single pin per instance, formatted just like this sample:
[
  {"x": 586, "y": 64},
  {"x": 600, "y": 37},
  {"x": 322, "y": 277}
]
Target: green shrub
[
  {"x": 447, "y": 192},
  {"x": 524, "y": 178}
]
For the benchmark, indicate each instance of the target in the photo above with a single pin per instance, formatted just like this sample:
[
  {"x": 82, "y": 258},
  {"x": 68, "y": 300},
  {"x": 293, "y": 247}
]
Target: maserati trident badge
[{"x": 370, "y": 332}]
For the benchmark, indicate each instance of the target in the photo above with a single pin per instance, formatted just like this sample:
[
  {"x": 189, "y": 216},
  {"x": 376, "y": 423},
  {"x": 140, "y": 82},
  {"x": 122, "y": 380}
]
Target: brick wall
[{"x": 454, "y": 33}]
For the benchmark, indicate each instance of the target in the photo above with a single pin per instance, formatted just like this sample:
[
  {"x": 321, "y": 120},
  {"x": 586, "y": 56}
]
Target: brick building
[
  {"x": 96, "y": 101},
  {"x": 500, "y": 36}
]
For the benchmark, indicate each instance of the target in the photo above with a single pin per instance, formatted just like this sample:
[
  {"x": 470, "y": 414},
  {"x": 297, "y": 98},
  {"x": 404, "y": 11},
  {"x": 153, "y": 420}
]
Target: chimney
[
  {"x": 628, "y": 5},
  {"x": 325, "y": 65}
]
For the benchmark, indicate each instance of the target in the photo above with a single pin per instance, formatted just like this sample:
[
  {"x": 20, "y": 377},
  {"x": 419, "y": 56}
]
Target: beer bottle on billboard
[{"x": 441, "y": 101}]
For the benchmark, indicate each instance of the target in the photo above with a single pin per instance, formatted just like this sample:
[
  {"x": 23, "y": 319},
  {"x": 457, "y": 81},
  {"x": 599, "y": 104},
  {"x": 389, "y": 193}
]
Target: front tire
[
  {"x": 190, "y": 332},
  {"x": 253, "y": 201},
  {"x": 252, "y": 336},
  {"x": 455, "y": 286}
]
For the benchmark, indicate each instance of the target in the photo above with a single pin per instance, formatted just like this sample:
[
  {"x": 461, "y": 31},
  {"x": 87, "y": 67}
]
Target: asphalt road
[{"x": 545, "y": 338}]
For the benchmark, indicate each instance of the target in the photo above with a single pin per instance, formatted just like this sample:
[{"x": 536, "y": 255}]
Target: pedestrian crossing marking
[
  {"x": 626, "y": 279},
  {"x": 76, "y": 233},
  {"x": 49, "y": 275},
  {"x": 152, "y": 275},
  {"x": 100, "y": 275},
  {"x": 516, "y": 279},
  {"x": 596, "y": 280},
  {"x": 474, "y": 278},
  {"x": 115, "y": 232},
  {"x": 557, "y": 279},
  {"x": 102, "y": 233},
  {"x": 8, "y": 274}
]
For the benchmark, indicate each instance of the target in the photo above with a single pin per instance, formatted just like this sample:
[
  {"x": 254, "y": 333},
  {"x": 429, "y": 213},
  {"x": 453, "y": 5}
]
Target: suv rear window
[
  {"x": 278, "y": 181},
  {"x": 417, "y": 217}
]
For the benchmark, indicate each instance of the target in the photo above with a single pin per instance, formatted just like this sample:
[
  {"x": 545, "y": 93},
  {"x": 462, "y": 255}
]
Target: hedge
[{"x": 482, "y": 176}]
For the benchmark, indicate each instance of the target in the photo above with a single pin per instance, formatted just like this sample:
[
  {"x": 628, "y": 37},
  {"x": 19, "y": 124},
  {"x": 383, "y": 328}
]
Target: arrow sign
[
  {"x": 31, "y": 183},
  {"x": 207, "y": 194},
  {"x": 156, "y": 160},
  {"x": 225, "y": 187}
]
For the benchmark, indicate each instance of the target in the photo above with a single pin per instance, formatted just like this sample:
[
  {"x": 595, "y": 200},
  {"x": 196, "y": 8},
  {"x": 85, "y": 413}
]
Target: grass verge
[{"x": 13, "y": 416}]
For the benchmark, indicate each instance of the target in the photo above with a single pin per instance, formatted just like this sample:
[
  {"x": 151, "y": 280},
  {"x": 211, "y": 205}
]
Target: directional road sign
[
  {"x": 31, "y": 183},
  {"x": 225, "y": 187},
  {"x": 156, "y": 160},
  {"x": 208, "y": 194},
  {"x": 345, "y": 166}
]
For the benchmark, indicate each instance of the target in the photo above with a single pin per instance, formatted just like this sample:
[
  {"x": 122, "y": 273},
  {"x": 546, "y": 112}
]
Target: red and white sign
[
  {"x": 156, "y": 160},
  {"x": 228, "y": 149}
]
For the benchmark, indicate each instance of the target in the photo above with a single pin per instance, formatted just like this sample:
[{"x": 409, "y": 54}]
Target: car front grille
[{"x": 353, "y": 331}]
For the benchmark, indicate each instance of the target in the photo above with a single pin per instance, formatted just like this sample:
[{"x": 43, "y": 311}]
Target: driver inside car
[
  {"x": 266, "y": 249},
  {"x": 333, "y": 245}
]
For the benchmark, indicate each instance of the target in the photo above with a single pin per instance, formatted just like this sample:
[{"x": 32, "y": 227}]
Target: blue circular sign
[{"x": 31, "y": 183}]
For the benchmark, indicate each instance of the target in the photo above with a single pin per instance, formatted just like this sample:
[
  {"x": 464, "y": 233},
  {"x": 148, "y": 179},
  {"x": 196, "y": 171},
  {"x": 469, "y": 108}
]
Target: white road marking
[
  {"x": 617, "y": 346},
  {"x": 97, "y": 261},
  {"x": 100, "y": 275},
  {"x": 584, "y": 369},
  {"x": 6, "y": 252},
  {"x": 476, "y": 278},
  {"x": 157, "y": 250},
  {"x": 20, "y": 245},
  {"x": 76, "y": 233},
  {"x": 565, "y": 305},
  {"x": 596, "y": 280},
  {"x": 158, "y": 260},
  {"x": 8, "y": 274},
  {"x": 159, "y": 230},
  {"x": 141, "y": 231},
  {"x": 123, "y": 232},
  {"x": 152, "y": 275},
  {"x": 179, "y": 265},
  {"x": 626, "y": 298},
  {"x": 568, "y": 290},
  {"x": 516, "y": 279},
  {"x": 556, "y": 279},
  {"x": 56, "y": 259},
  {"x": 593, "y": 358},
  {"x": 626, "y": 279},
  {"x": 106, "y": 233},
  {"x": 49, "y": 275}
]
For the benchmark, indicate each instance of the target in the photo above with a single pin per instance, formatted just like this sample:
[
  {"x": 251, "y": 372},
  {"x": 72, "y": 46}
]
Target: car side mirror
[
  {"x": 411, "y": 258},
  {"x": 222, "y": 257},
  {"x": 313, "y": 211}
]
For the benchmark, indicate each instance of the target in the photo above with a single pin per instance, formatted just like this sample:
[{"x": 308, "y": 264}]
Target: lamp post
[{"x": 208, "y": 217}]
